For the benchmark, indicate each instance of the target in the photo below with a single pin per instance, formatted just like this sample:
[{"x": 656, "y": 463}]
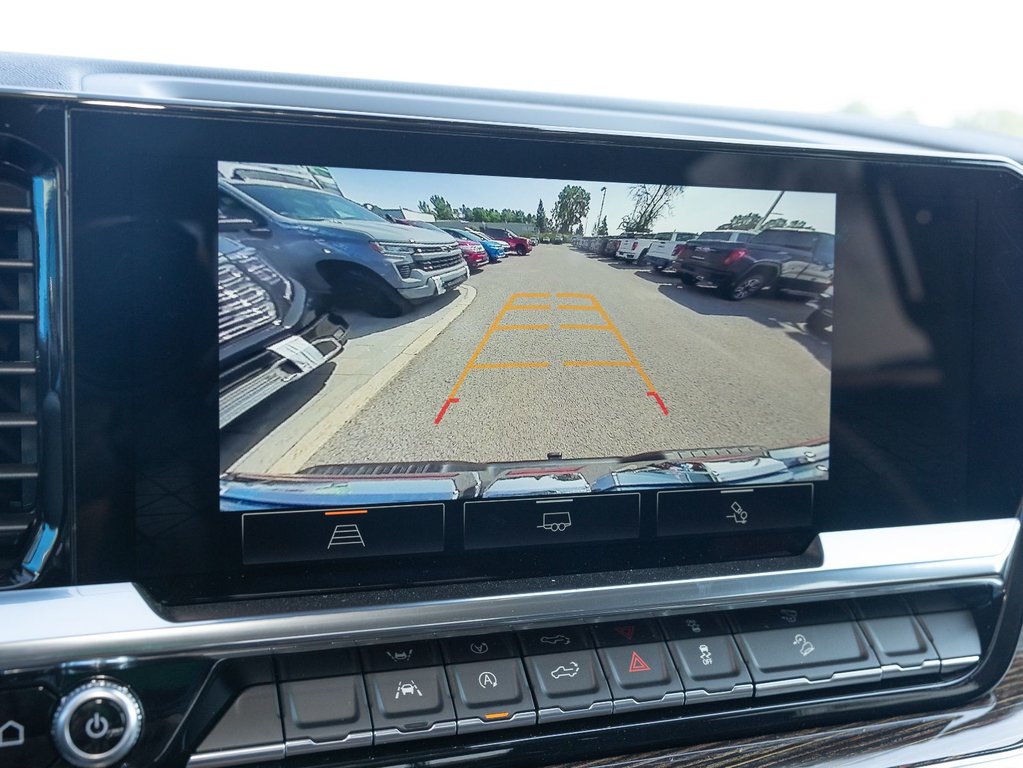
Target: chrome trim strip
[
  {"x": 738, "y": 691},
  {"x": 240, "y": 756},
  {"x": 43, "y": 627},
  {"x": 673, "y": 699},
  {"x": 960, "y": 662},
  {"x": 477, "y": 725},
  {"x": 308, "y": 746},
  {"x": 390, "y": 735},
  {"x": 854, "y": 676},
  {"x": 596, "y": 709}
]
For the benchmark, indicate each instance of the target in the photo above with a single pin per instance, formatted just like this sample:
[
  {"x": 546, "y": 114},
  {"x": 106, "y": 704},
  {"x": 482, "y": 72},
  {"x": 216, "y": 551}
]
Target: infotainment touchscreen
[{"x": 390, "y": 337}]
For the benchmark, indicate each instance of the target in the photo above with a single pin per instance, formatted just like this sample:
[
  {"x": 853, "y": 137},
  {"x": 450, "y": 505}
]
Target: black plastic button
[
  {"x": 694, "y": 625},
  {"x": 254, "y": 719},
  {"x": 551, "y": 521},
  {"x": 344, "y": 534},
  {"x": 491, "y": 694},
  {"x": 536, "y": 641},
  {"x": 420, "y": 653},
  {"x": 641, "y": 675},
  {"x": 711, "y": 667},
  {"x": 955, "y": 638},
  {"x": 901, "y": 645},
  {"x": 410, "y": 702},
  {"x": 317, "y": 664},
  {"x": 826, "y": 654},
  {"x": 327, "y": 712},
  {"x": 788, "y": 616},
  {"x": 462, "y": 650},
  {"x": 25, "y": 717},
  {"x": 626, "y": 633},
  {"x": 97, "y": 726},
  {"x": 568, "y": 685},
  {"x": 734, "y": 510}
]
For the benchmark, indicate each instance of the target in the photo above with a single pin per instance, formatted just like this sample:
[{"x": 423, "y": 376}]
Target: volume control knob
[{"x": 97, "y": 724}]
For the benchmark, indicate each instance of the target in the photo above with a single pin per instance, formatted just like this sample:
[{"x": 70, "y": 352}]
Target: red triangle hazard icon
[
  {"x": 636, "y": 663},
  {"x": 626, "y": 630}
]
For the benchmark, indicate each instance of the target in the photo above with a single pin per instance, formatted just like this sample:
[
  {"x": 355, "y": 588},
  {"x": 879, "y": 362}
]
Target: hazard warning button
[{"x": 641, "y": 676}]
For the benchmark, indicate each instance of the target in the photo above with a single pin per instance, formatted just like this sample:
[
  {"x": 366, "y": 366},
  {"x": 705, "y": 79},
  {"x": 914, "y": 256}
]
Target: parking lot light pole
[{"x": 603, "y": 194}]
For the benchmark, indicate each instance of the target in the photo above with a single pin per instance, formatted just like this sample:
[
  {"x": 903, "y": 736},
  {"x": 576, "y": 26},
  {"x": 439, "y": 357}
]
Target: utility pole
[
  {"x": 770, "y": 211},
  {"x": 603, "y": 194}
]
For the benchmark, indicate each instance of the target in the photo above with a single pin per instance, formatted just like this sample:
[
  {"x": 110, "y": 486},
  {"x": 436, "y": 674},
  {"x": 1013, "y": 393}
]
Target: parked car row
[
  {"x": 738, "y": 264},
  {"x": 293, "y": 256}
]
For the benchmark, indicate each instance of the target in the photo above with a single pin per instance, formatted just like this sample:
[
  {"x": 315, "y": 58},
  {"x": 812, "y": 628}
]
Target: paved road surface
[{"x": 565, "y": 352}]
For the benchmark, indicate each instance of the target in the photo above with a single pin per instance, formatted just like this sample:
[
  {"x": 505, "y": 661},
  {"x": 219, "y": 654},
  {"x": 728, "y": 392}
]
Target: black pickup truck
[{"x": 797, "y": 260}]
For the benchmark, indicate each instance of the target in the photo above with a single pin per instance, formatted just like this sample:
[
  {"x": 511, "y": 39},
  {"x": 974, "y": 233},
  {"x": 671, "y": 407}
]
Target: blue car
[{"x": 496, "y": 249}]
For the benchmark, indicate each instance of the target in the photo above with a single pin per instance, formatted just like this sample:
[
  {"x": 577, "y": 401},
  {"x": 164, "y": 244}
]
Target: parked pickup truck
[
  {"x": 796, "y": 260},
  {"x": 661, "y": 254},
  {"x": 637, "y": 248},
  {"x": 340, "y": 252}
]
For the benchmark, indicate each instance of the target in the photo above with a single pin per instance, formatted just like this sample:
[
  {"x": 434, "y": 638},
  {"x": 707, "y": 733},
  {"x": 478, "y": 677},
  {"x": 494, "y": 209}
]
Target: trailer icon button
[{"x": 556, "y": 521}]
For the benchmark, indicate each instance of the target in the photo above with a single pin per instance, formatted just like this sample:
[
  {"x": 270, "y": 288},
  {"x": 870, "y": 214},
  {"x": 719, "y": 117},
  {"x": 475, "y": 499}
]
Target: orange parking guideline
[
  {"x": 511, "y": 305},
  {"x": 346, "y": 512}
]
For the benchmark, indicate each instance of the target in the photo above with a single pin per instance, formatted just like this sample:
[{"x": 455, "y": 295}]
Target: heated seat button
[
  {"x": 25, "y": 717},
  {"x": 641, "y": 676},
  {"x": 324, "y": 714},
  {"x": 536, "y": 641},
  {"x": 491, "y": 694},
  {"x": 781, "y": 660},
  {"x": 711, "y": 668},
  {"x": 413, "y": 703},
  {"x": 568, "y": 685},
  {"x": 901, "y": 646}
]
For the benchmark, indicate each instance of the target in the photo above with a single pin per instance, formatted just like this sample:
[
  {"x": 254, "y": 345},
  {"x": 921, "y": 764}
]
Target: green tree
[
  {"x": 441, "y": 208},
  {"x": 602, "y": 227},
  {"x": 541, "y": 218},
  {"x": 579, "y": 229},
  {"x": 649, "y": 201},
  {"x": 424, "y": 207},
  {"x": 743, "y": 221},
  {"x": 571, "y": 207}
]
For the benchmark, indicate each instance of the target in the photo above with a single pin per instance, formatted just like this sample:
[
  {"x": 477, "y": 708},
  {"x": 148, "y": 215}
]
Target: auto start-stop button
[{"x": 97, "y": 724}]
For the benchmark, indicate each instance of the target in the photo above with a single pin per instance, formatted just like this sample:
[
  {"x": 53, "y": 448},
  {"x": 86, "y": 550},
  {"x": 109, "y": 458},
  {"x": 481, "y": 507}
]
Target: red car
[
  {"x": 521, "y": 245},
  {"x": 473, "y": 252}
]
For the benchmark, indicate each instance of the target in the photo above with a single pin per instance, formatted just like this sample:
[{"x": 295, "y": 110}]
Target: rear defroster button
[{"x": 97, "y": 724}]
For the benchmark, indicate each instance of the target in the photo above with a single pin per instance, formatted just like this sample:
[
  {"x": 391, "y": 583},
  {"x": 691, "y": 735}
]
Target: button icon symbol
[
  {"x": 97, "y": 726},
  {"x": 407, "y": 689},
  {"x": 694, "y": 626},
  {"x": 563, "y": 670},
  {"x": 345, "y": 534},
  {"x": 788, "y": 615},
  {"x": 627, "y": 631},
  {"x": 555, "y": 640},
  {"x": 488, "y": 680},
  {"x": 400, "y": 656},
  {"x": 805, "y": 646},
  {"x": 739, "y": 515},
  {"x": 556, "y": 521},
  {"x": 706, "y": 657},
  {"x": 636, "y": 663},
  {"x": 12, "y": 734},
  {"x": 479, "y": 648}
]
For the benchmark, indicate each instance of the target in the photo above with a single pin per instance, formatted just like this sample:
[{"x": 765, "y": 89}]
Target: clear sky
[
  {"x": 697, "y": 209},
  {"x": 937, "y": 60}
]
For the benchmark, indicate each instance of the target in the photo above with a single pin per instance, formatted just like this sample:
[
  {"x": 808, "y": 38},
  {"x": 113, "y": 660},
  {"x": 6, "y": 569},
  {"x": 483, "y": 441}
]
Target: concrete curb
[{"x": 326, "y": 427}]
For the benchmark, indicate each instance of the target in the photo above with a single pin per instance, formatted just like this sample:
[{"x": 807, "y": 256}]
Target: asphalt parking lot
[{"x": 561, "y": 351}]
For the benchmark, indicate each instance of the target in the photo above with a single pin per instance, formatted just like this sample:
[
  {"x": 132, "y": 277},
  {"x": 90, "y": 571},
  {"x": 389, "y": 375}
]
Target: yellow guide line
[
  {"x": 486, "y": 366},
  {"x": 537, "y": 327},
  {"x": 626, "y": 347},
  {"x": 601, "y": 363},
  {"x": 479, "y": 347},
  {"x": 583, "y": 307},
  {"x": 583, "y": 327},
  {"x": 528, "y": 306},
  {"x": 533, "y": 295},
  {"x": 576, "y": 296}
]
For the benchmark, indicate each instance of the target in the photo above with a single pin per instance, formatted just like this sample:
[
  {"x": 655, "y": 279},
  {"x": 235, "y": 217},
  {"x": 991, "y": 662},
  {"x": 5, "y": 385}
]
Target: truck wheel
[
  {"x": 687, "y": 279},
  {"x": 657, "y": 267},
  {"x": 520, "y": 249},
  {"x": 368, "y": 292},
  {"x": 641, "y": 259},
  {"x": 818, "y": 322},
  {"x": 747, "y": 286}
]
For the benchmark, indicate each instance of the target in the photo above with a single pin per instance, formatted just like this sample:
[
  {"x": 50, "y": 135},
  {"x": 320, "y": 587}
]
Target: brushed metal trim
[
  {"x": 796, "y": 684},
  {"x": 478, "y": 725},
  {"x": 43, "y": 627},
  {"x": 596, "y": 709},
  {"x": 391, "y": 735},
  {"x": 240, "y": 756},
  {"x": 628, "y": 704},
  {"x": 294, "y": 747}
]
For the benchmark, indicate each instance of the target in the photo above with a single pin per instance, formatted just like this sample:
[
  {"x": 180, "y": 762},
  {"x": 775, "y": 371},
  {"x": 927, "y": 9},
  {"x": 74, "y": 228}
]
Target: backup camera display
[{"x": 389, "y": 337}]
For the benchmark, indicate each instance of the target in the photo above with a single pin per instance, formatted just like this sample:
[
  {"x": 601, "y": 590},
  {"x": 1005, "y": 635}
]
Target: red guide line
[
  {"x": 447, "y": 404},
  {"x": 656, "y": 397}
]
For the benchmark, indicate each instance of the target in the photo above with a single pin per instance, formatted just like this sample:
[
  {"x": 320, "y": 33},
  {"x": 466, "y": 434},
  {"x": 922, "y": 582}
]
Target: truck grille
[
  {"x": 243, "y": 304},
  {"x": 439, "y": 262}
]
